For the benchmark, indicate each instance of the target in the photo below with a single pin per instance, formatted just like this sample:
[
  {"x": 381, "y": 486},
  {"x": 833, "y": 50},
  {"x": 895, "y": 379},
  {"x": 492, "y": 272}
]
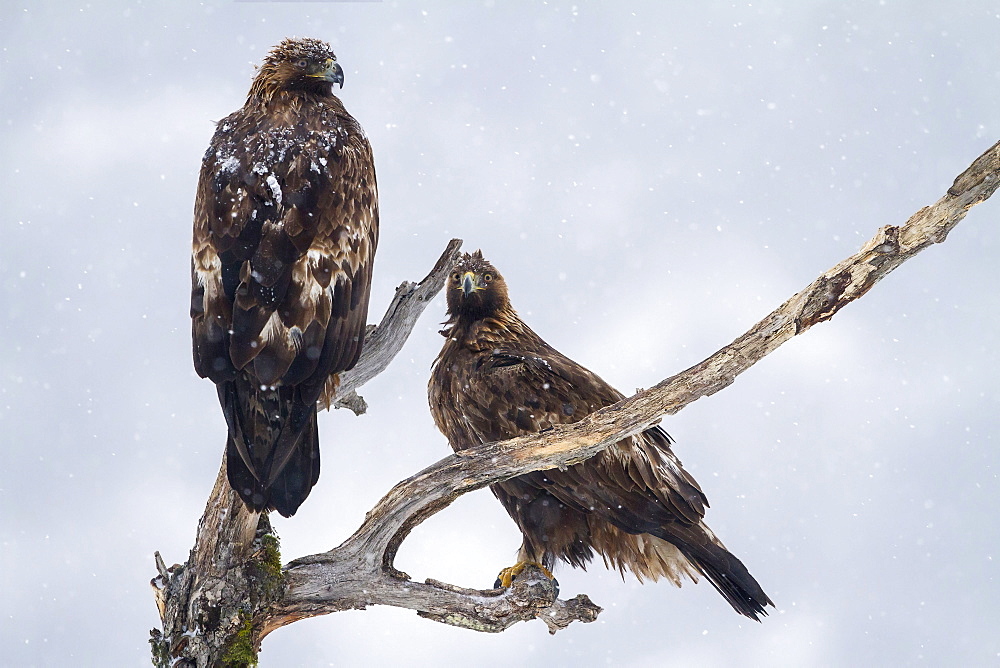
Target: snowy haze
[{"x": 651, "y": 178}]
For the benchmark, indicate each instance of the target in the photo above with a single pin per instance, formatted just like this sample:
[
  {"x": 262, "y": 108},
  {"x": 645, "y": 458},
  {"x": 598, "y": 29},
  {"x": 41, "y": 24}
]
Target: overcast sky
[{"x": 652, "y": 178}]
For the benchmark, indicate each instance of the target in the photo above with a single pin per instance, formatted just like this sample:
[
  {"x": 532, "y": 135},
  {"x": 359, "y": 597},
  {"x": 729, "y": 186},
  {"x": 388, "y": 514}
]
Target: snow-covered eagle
[{"x": 285, "y": 230}]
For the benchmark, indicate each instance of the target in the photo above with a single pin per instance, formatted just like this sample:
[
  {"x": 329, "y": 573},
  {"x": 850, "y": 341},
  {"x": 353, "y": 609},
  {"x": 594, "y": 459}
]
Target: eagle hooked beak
[
  {"x": 333, "y": 72},
  {"x": 469, "y": 284}
]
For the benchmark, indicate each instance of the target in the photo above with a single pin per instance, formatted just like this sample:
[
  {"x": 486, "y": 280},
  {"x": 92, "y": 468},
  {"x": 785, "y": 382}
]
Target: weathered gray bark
[
  {"x": 384, "y": 341},
  {"x": 360, "y": 572}
]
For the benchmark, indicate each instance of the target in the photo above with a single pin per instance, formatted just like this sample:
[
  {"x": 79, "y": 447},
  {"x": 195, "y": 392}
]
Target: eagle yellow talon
[{"x": 506, "y": 577}]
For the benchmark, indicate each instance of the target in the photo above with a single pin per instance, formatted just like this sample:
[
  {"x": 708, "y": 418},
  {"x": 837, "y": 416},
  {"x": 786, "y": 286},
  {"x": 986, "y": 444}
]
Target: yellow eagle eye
[{"x": 487, "y": 277}]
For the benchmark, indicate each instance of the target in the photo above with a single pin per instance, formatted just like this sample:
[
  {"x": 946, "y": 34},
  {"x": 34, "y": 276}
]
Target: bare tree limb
[
  {"x": 360, "y": 572},
  {"x": 383, "y": 342},
  {"x": 312, "y": 581}
]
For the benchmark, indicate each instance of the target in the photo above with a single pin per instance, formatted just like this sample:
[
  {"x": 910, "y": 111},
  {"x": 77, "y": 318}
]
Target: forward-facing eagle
[
  {"x": 285, "y": 229},
  {"x": 632, "y": 503}
]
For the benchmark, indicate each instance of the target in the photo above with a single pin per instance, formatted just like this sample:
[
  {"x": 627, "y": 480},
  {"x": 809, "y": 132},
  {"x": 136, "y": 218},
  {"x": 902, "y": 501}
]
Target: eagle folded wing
[{"x": 285, "y": 231}]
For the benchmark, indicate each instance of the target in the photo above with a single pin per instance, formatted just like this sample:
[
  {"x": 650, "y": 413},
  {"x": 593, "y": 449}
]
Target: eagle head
[
  {"x": 476, "y": 289},
  {"x": 298, "y": 65}
]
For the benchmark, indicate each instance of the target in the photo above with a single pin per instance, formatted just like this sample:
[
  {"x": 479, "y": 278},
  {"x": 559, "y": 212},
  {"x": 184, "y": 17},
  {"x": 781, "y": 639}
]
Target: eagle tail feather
[
  {"x": 300, "y": 470},
  {"x": 272, "y": 449},
  {"x": 728, "y": 575}
]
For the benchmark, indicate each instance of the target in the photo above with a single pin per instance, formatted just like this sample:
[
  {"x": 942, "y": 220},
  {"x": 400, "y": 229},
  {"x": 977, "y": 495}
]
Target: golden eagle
[
  {"x": 285, "y": 230},
  {"x": 632, "y": 503}
]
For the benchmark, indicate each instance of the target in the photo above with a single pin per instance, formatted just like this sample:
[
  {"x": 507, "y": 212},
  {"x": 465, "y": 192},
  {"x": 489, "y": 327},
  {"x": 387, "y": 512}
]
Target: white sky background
[{"x": 651, "y": 179}]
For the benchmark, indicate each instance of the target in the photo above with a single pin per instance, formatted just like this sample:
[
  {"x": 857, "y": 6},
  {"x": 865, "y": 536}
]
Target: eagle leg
[{"x": 506, "y": 577}]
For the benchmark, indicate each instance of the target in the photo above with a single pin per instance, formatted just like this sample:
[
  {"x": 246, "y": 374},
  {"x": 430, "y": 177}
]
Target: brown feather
[
  {"x": 632, "y": 503},
  {"x": 287, "y": 206}
]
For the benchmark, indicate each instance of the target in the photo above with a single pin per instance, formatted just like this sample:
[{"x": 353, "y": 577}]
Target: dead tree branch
[
  {"x": 313, "y": 583},
  {"x": 384, "y": 342},
  {"x": 360, "y": 572}
]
